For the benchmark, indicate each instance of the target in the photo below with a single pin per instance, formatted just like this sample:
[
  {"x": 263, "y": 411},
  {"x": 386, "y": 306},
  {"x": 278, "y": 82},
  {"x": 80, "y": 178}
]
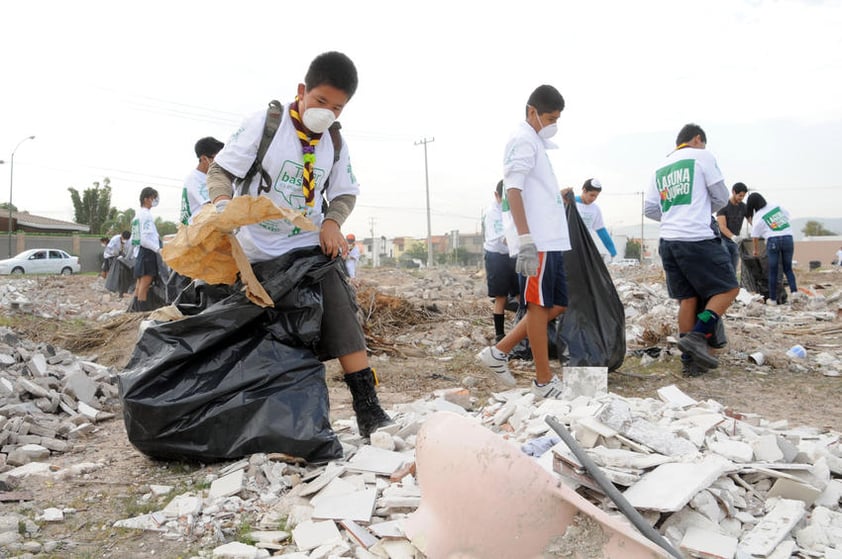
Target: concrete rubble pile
[
  {"x": 716, "y": 482},
  {"x": 45, "y": 297},
  {"x": 49, "y": 398}
]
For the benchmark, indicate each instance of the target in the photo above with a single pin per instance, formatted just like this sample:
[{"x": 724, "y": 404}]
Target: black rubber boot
[{"x": 370, "y": 416}]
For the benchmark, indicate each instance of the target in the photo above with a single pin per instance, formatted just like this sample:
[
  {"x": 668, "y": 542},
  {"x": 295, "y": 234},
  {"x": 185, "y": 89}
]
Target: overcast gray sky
[{"x": 124, "y": 91}]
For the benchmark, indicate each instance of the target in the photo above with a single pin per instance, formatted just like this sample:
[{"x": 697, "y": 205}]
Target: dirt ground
[{"x": 412, "y": 318}]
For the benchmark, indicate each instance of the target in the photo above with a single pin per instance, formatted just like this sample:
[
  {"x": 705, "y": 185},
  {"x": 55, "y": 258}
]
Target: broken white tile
[
  {"x": 674, "y": 397},
  {"x": 226, "y": 486},
  {"x": 238, "y": 550},
  {"x": 709, "y": 544},
  {"x": 796, "y": 490},
  {"x": 388, "y": 529},
  {"x": 669, "y": 487},
  {"x": 142, "y": 522},
  {"x": 773, "y": 527},
  {"x": 337, "y": 486},
  {"x": 823, "y": 530},
  {"x": 736, "y": 451},
  {"x": 360, "y": 533},
  {"x": 332, "y": 471},
  {"x": 377, "y": 460},
  {"x": 310, "y": 535},
  {"x": 358, "y": 506},
  {"x": 766, "y": 449}
]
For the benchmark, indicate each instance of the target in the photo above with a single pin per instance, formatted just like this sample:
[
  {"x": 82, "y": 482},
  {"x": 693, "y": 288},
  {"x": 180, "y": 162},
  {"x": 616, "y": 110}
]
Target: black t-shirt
[{"x": 734, "y": 215}]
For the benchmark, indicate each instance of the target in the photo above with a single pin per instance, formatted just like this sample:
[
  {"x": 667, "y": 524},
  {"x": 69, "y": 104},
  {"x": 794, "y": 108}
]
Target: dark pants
[{"x": 780, "y": 249}]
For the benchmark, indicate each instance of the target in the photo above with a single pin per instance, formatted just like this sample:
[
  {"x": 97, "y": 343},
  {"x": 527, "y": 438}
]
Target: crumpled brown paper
[{"x": 207, "y": 250}]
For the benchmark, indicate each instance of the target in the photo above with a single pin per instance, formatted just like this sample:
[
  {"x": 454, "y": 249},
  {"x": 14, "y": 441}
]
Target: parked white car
[{"x": 41, "y": 261}]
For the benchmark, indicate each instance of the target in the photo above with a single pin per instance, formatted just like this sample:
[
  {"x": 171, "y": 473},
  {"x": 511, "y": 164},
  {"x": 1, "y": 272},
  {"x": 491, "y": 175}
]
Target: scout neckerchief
[
  {"x": 308, "y": 146},
  {"x": 678, "y": 147}
]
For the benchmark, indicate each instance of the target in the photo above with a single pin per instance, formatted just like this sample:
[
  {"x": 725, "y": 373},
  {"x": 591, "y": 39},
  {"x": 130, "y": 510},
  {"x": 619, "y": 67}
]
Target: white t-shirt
[
  {"x": 839, "y": 257},
  {"x": 495, "y": 236},
  {"x": 284, "y": 163},
  {"x": 114, "y": 247},
  {"x": 144, "y": 232},
  {"x": 591, "y": 215},
  {"x": 351, "y": 261},
  {"x": 193, "y": 195},
  {"x": 527, "y": 168},
  {"x": 770, "y": 221},
  {"x": 679, "y": 186}
]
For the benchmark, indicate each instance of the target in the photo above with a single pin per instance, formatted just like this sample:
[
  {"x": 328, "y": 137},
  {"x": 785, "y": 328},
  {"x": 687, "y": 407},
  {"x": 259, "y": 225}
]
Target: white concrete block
[
  {"x": 784, "y": 515},
  {"x": 310, "y": 535},
  {"x": 708, "y": 544},
  {"x": 357, "y": 506},
  {"x": 227, "y": 485}
]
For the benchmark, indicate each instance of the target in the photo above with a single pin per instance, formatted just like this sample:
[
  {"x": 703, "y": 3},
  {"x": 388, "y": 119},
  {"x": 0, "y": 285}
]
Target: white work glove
[
  {"x": 737, "y": 239},
  {"x": 220, "y": 206},
  {"x": 527, "y": 257}
]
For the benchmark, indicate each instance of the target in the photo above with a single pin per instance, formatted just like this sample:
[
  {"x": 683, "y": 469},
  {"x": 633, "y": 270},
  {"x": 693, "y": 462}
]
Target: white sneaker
[
  {"x": 552, "y": 389},
  {"x": 497, "y": 361},
  {"x": 771, "y": 302}
]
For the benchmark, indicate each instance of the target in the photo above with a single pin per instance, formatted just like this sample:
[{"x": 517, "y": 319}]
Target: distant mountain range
[{"x": 650, "y": 228}]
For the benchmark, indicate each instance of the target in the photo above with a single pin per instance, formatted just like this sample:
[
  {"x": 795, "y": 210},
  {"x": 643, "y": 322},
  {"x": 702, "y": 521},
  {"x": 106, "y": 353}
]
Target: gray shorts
[{"x": 342, "y": 332}]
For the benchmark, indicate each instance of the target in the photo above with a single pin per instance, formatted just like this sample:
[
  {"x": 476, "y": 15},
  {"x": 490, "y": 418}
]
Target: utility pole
[{"x": 426, "y": 141}]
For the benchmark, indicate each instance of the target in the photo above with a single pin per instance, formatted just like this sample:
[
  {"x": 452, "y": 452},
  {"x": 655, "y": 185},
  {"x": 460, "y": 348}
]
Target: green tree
[
  {"x": 93, "y": 207},
  {"x": 816, "y": 229},
  {"x": 121, "y": 221},
  {"x": 632, "y": 249},
  {"x": 5, "y": 206},
  {"x": 417, "y": 250}
]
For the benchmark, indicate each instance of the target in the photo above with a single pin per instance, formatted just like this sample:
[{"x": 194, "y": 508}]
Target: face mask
[
  {"x": 154, "y": 202},
  {"x": 547, "y": 131},
  {"x": 317, "y": 119}
]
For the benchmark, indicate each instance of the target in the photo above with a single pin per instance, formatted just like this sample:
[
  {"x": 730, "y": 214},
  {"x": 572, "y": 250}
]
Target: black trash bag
[
  {"x": 120, "y": 278},
  {"x": 755, "y": 271},
  {"x": 236, "y": 378},
  {"x": 592, "y": 332}
]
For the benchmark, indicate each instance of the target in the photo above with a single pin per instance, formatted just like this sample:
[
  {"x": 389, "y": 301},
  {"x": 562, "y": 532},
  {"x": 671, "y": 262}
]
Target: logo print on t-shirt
[
  {"x": 776, "y": 220},
  {"x": 675, "y": 184}
]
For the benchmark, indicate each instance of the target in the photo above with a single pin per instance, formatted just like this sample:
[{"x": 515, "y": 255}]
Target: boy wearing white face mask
[
  {"x": 537, "y": 207},
  {"x": 300, "y": 163}
]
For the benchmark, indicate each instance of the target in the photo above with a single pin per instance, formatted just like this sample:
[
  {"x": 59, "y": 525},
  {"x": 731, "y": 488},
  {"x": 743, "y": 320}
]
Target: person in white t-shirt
[
  {"x": 300, "y": 161},
  {"x": 686, "y": 188},
  {"x": 771, "y": 222},
  {"x": 194, "y": 194},
  {"x": 591, "y": 214},
  {"x": 839, "y": 257},
  {"x": 537, "y": 208},
  {"x": 146, "y": 244},
  {"x": 353, "y": 256},
  {"x": 117, "y": 246},
  {"x": 500, "y": 275}
]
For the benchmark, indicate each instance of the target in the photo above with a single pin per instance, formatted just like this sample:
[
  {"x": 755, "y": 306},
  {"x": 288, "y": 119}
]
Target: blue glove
[{"x": 527, "y": 257}]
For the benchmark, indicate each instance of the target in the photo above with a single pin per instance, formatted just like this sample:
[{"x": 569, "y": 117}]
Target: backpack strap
[
  {"x": 274, "y": 113},
  {"x": 336, "y": 138}
]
